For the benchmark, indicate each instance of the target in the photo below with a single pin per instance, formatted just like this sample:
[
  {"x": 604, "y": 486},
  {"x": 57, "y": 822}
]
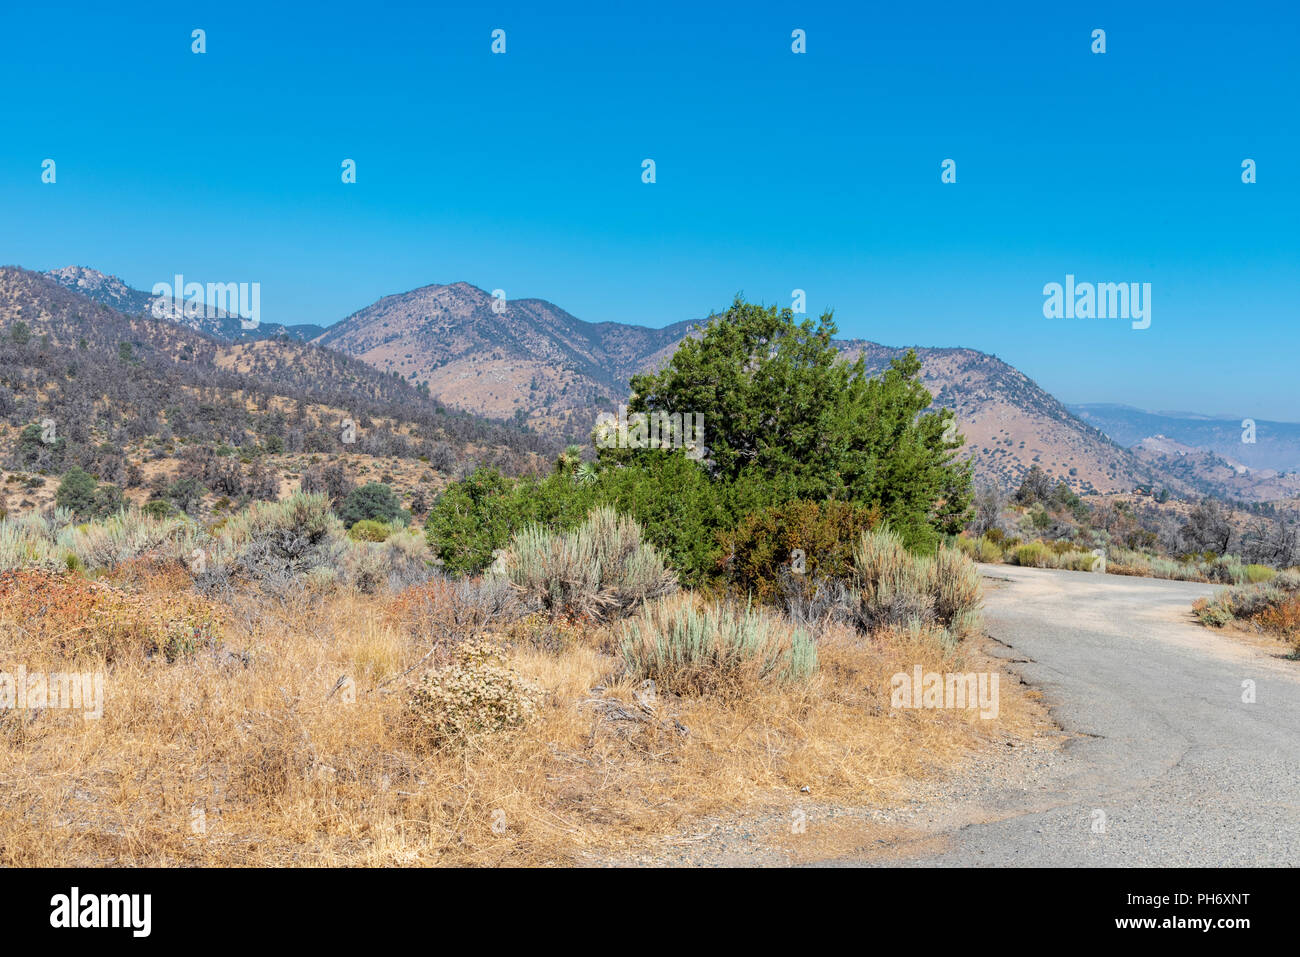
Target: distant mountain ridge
[
  {"x": 113, "y": 292},
  {"x": 531, "y": 361},
  {"x": 139, "y": 402},
  {"x": 1276, "y": 445},
  {"x": 160, "y": 360},
  {"x": 103, "y": 288},
  {"x": 1011, "y": 423},
  {"x": 525, "y": 358},
  {"x": 1213, "y": 474}
]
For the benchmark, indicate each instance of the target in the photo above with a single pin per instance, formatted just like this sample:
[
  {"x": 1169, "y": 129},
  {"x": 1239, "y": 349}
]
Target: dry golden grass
[{"x": 218, "y": 759}]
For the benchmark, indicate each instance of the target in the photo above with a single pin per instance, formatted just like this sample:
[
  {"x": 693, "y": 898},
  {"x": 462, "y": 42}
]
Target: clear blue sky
[{"x": 775, "y": 170}]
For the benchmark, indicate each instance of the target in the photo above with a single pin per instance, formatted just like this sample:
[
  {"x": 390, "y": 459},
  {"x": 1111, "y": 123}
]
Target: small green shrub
[
  {"x": 602, "y": 569},
  {"x": 687, "y": 647},
  {"x": 1034, "y": 555},
  {"x": 957, "y": 591},
  {"x": 1212, "y": 613},
  {"x": 158, "y": 508},
  {"x": 979, "y": 549},
  {"x": 369, "y": 530},
  {"x": 1255, "y": 574},
  {"x": 893, "y": 587},
  {"x": 374, "y": 500}
]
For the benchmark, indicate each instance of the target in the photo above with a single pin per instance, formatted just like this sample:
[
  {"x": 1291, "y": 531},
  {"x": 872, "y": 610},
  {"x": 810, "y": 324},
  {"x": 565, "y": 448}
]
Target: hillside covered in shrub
[{"x": 134, "y": 400}]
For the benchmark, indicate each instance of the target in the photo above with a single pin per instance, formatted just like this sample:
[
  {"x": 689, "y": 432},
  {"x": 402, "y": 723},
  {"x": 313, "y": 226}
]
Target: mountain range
[
  {"x": 142, "y": 403},
  {"x": 113, "y": 292},
  {"x": 1258, "y": 444},
  {"x": 522, "y": 358},
  {"x": 530, "y": 361}
]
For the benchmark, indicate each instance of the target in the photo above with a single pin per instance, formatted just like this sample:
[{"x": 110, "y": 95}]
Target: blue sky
[{"x": 775, "y": 171}]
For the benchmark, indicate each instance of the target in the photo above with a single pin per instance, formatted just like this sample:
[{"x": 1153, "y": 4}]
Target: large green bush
[
  {"x": 784, "y": 418},
  {"x": 680, "y": 509},
  {"x": 477, "y": 516},
  {"x": 780, "y": 406}
]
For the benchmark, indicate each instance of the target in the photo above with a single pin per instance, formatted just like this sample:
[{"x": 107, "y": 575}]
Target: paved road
[{"x": 1185, "y": 772}]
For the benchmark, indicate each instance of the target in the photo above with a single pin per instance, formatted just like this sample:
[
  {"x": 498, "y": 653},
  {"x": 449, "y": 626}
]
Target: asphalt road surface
[{"x": 1168, "y": 764}]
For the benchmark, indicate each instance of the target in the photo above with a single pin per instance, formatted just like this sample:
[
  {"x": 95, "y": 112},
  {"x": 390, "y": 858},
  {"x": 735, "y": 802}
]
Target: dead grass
[{"x": 290, "y": 744}]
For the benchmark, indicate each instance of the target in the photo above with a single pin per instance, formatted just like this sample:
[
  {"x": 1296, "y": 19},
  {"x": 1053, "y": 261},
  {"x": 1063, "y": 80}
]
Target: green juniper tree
[
  {"x": 374, "y": 501},
  {"x": 77, "y": 492},
  {"x": 784, "y": 412}
]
